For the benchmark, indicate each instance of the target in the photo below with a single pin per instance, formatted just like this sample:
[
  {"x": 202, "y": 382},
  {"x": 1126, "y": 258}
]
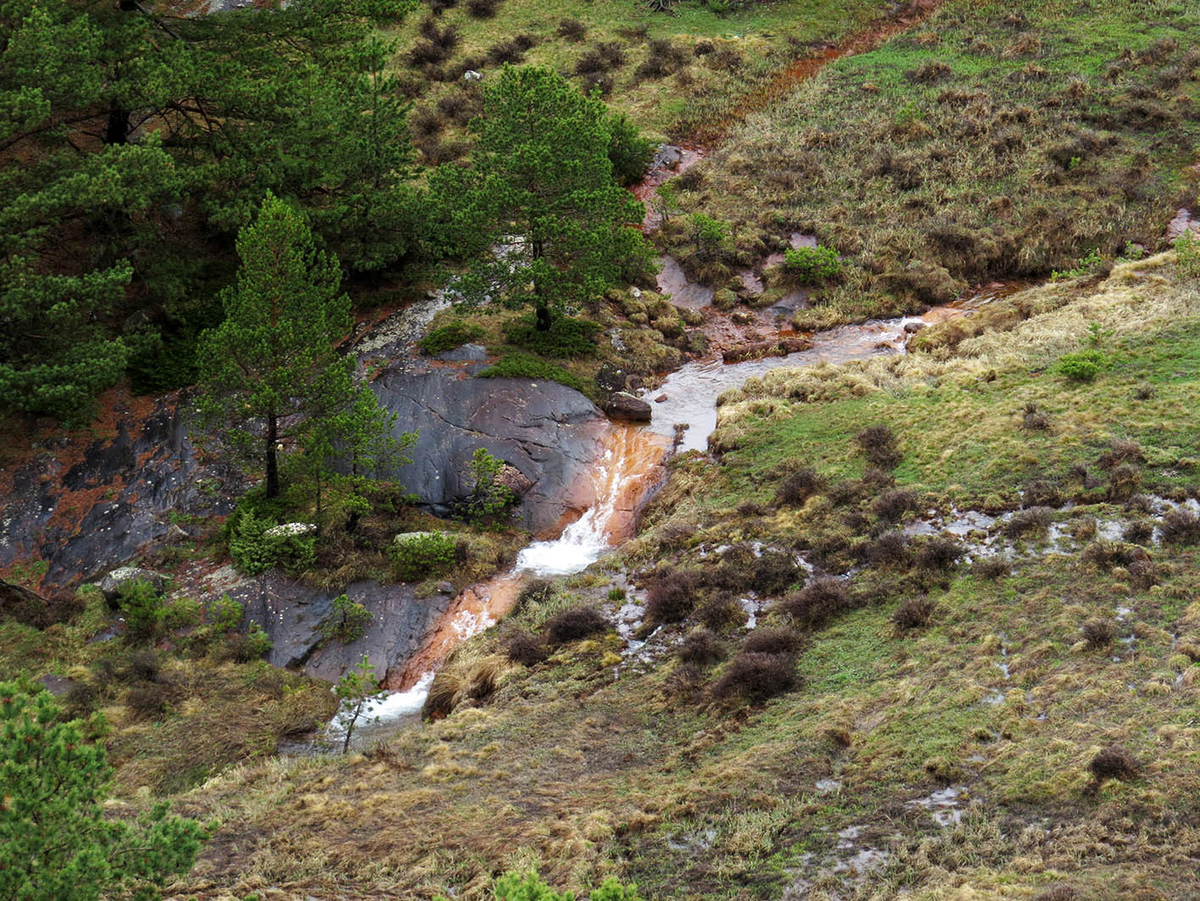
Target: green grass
[
  {"x": 1057, "y": 130},
  {"x": 764, "y": 35}
]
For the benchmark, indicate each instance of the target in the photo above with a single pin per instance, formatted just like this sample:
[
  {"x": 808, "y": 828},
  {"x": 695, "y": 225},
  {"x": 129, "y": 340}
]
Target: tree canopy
[
  {"x": 542, "y": 193},
  {"x": 56, "y": 841},
  {"x": 271, "y": 371}
]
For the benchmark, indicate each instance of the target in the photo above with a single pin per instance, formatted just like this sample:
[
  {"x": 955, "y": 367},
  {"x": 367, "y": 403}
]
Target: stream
[{"x": 625, "y": 474}]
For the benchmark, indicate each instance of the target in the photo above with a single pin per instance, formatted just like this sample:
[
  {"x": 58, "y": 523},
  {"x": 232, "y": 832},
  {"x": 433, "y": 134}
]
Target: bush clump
[
  {"x": 878, "y": 444},
  {"x": 798, "y": 486},
  {"x": 701, "y": 647},
  {"x": 1035, "y": 519},
  {"x": 889, "y": 549},
  {"x": 991, "y": 568},
  {"x": 525, "y": 649},
  {"x": 913, "y": 613},
  {"x": 420, "y": 555},
  {"x": 347, "y": 621},
  {"x": 1082, "y": 366},
  {"x": 892, "y": 505},
  {"x": 757, "y": 676},
  {"x": 567, "y": 337},
  {"x": 812, "y": 265},
  {"x": 574, "y": 624},
  {"x": 672, "y": 595},
  {"x": 1181, "y": 526},
  {"x": 144, "y": 610},
  {"x": 816, "y": 603},
  {"x": 1114, "y": 762},
  {"x": 939, "y": 553},
  {"x": 449, "y": 336},
  {"x": 629, "y": 152},
  {"x": 1099, "y": 633},
  {"x": 772, "y": 641}
]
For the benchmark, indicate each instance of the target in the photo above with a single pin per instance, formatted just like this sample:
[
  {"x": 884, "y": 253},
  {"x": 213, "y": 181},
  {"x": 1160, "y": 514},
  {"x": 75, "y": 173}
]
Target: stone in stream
[
  {"x": 779, "y": 348},
  {"x": 610, "y": 378},
  {"x": 627, "y": 408}
]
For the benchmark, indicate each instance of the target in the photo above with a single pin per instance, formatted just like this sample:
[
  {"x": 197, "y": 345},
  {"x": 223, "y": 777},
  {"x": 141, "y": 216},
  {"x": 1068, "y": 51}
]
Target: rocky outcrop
[
  {"x": 291, "y": 614},
  {"x": 547, "y": 432},
  {"x": 627, "y": 408},
  {"x": 86, "y": 506}
]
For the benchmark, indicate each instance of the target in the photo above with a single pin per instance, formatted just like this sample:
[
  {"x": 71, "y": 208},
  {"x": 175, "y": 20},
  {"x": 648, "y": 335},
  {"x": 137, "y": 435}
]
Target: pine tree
[
  {"x": 542, "y": 188},
  {"x": 356, "y": 690},
  {"x": 56, "y": 841},
  {"x": 271, "y": 370}
]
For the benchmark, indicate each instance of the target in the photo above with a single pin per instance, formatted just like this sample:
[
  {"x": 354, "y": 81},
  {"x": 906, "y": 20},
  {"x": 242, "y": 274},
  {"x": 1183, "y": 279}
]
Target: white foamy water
[{"x": 579, "y": 546}]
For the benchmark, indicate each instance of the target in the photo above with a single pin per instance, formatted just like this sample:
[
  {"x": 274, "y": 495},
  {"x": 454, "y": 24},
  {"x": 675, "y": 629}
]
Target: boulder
[
  {"x": 610, "y": 378},
  {"x": 915, "y": 326},
  {"x": 445, "y": 588},
  {"x": 780, "y": 348},
  {"x": 514, "y": 480},
  {"x": 627, "y": 408},
  {"x": 290, "y": 529},
  {"x": 111, "y": 584}
]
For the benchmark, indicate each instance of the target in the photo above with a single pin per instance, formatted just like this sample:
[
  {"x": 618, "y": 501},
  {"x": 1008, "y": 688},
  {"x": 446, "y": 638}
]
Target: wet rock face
[
  {"x": 291, "y": 615},
  {"x": 546, "y": 431}
]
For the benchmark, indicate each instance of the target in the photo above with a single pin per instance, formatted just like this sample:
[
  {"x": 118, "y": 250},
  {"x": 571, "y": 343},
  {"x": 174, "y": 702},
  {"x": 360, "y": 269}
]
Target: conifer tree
[
  {"x": 542, "y": 188},
  {"x": 271, "y": 370},
  {"x": 57, "y": 843}
]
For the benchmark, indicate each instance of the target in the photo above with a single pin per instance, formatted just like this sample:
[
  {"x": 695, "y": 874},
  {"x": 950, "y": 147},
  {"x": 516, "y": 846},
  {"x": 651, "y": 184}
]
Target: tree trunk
[
  {"x": 272, "y": 456},
  {"x": 117, "y": 131},
  {"x": 543, "y": 317}
]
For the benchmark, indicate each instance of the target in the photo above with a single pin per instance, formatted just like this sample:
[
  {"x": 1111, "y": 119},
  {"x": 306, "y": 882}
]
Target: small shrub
[
  {"x": 913, "y": 613},
  {"x": 1034, "y": 419},
  {"x": 567, "y": 337},
  {"x": 812, "y": 265},
  {"x": 1114, "y": 762},
  {"x": 1139, "y": 532},
  {"x": 1181, "y": 526},
  {"x": 506, "y": 52},
  {"x": 574, "y": 624},
  {"x": 771, "y": 572},
  {"x": 1187, "y": 254},
  {"x": 889, "y": 549},
  {"x": 246, "y": 647},
  {"x": 525, "y": 366},
  {"x": 701, "y": 648},
  {"x": 425, "y": 53},
  {"x": 672, "y": 595},
  {"x": 1035, "y": 519},
  {"x": 816, "y": 603},
  {"x": 482, "y": 9},
  {"x": 991, "y": 568},
  {"x": 449, "y": 336},
  {"x": 254, "y": 551},
  {"x": 539, "y": 591},
  {"x": 149, "y": 700},
  {"x": 616, "y": 594},
  {"x": 939, "y": 554},
  {"x": 757, "y": 677},
  {"x": 721, "y": 613},
  {"x": 710, "y": 236},
  {"x": 892, "y": 505},
  {"x": 572, "y": 30},
  {"x": 1042, "y": 493},
  {"x": 772, "y": 641},
  {"x": 878, "y": 445},
  {"x": 1121, "y": 450},
  {"x": 423, "y": 554},
  {"x": 141, "y": 666},
  {"x": 1099, "y": 633},
  {"x": 798, "y": 486},
  {"x": 525, "y": 649},
  {"x": 490, "y": 498},
  {"x": 225, "y": 614},
  {"x": 1123, "y": 482},
  {"x": 144, "y": 610},
  {"x": 929, "y": 72},
  {"x": 629, "y": 152},
  {"x": 182, "y": 613},
  {"x": 347, "y": 621},
  {"x": 1082, "y": 366},
  {"x": 1105, "y": 554}
]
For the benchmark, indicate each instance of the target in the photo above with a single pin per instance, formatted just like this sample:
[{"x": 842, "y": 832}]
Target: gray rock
[
  {"x": 113, "y": 582},
  {"x": 627, "y": 408},
  {"x": 913, "y": 327},
  {"x": 668, "y": 156},
  {"x": 468, "y": 353},
  {"x": 291, "y": 529},
  {"x": 445, "y": 588},
  {"x": 546, "y": 431},
  {"x": 610, "y": 378}
]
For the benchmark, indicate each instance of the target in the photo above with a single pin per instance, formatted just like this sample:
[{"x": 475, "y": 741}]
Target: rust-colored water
[{"x": 629, "y": 466}]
